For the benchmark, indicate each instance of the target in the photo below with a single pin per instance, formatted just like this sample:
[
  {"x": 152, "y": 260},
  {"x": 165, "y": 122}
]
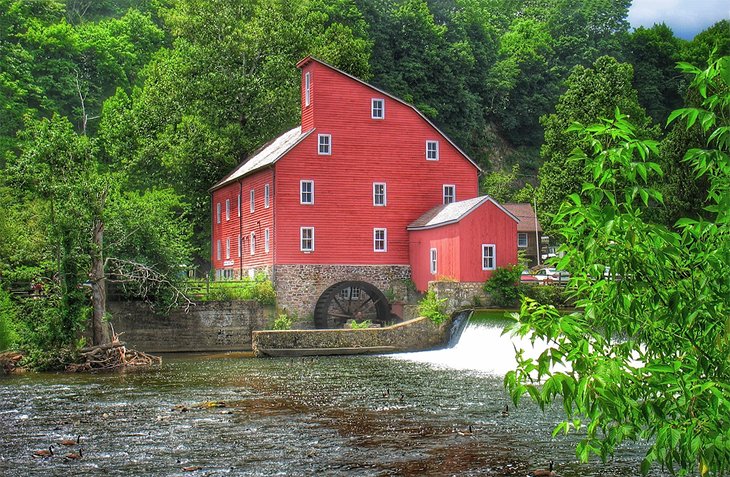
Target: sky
[{"x": 686, "y": 18}]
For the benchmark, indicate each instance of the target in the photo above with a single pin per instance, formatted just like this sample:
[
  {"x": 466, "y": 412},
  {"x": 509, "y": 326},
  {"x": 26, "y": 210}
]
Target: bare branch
[{"x": 143, "y": 281}]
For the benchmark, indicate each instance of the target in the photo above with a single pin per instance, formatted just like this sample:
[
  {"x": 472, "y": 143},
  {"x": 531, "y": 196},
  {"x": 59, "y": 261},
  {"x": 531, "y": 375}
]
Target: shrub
[
  {"x": 259, "y": 288},
  {"x": 8, "y": 335},
  {"x": 360, "y": 326},
  {"x": 504, "y": 286},
  {"x": 283, "y": 322},
  {"x": 547, "y": 295},
  {"x": 433, "y": 308}
]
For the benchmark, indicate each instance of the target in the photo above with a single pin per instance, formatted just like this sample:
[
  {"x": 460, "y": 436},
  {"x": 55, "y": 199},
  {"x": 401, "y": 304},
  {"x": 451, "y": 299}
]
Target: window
[
  {"x": 218, "y": 213},
  {"x": 379, "y": 194},
  {"x": 267, "y": 196},
  {"x": 239, "y": 205},
  {"x": 325, "y": 144},
  {"x": 306, "y": 189},
  {"x": 432, "y": 150},
  {"x": 489, "y": 253},
  {"x": 228, "y": 209},
  {"x": 250, "y": 198},
  {"x": 380, "y": 240},
  {"x": 307, "y": 88},
  {"x": 434, "y": 255},
  {"x": 253, "y": 243},
  {"x": 239, "y": 245},
  {"x": 377, "y": 110},
  {"x": 522, "y": 240},
  {"x": 266, "y": 240},
  {"x": 218, "y": 249},
  {"x": 228, "y": 248},
  {"x": 449, "y": 193},
  {"x": 306, "y": 239}
]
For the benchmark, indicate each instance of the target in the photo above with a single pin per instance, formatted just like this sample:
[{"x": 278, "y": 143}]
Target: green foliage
[
  {"x": 557, "y": 296},
  {"x": 433, "y": 308},
  {"x": 361, "y": 325},
  {"x": 504, "y": 286},
  {"x": 282, "y": 322},
  {"x": 259, "y": 288},
  {"x": 8, "y": 317},
  {"x": 646, "y": 349}
]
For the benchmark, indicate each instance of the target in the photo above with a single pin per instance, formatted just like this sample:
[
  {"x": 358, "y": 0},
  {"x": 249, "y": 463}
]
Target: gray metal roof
[
  {"x": 266, "y": 156},
  {"x": 452, "y": 213}
]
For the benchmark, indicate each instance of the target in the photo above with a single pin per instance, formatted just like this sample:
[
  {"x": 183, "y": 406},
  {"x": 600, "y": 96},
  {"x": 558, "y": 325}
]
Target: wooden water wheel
[{"x": 352, "y": 300}]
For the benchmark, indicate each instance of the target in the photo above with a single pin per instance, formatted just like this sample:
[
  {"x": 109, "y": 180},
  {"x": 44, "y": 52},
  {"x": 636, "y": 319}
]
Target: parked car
[
  {"x": 527, "y": 277},
  {"x": 552, "y": 275}
]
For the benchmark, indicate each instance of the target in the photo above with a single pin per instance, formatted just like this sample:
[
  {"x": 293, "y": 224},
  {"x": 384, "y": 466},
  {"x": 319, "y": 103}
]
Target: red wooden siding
[
  {"x": 261, "y": 219},
  {"x": 459, "y": 246},
  {"x": 364, "y": 150}
]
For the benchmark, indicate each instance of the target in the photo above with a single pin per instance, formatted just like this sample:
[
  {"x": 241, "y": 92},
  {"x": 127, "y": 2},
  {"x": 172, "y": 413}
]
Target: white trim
[
  {"x": 380, "y": 109},
  {"x": 310, "y": 192},
  {"x": 228, "y": 210},
  {"x": 384, "y": 240},
  {"x": 239, "y": 204},
  {"x": 521, "y": 244},
  {"x": 375, "y": 194},
  {"x": 252, "y": 243},
  {"x": 324, "y": 141},
  {"x": 307, "y": 88},
  {"x": 433, "y": 261},
  {"x": 267, "y": 238},
  {"x": 443, "y": 193},
  {"x": 267, "y": 196},
  {"x": 301, "y": 239},
  {"x": 486, "y": 246},
  {"x": 218, "y": 249},
  {"x": 430, "y": 150},
  {"x": 218, "y": 213},
  {"x": 251, "y": 198},
  {"x": 239, "y": 245},
  {"x": 228, "y": 248}
]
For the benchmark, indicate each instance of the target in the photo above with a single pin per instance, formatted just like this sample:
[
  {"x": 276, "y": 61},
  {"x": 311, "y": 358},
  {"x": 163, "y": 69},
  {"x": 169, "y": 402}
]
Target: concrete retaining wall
[
  {"x": 414, "y": 335},
  {"x": 207, "y": 326}
]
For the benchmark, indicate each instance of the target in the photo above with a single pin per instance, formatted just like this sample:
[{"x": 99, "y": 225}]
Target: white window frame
[
  {"x": 218, "y": 213},
  {"x": 383, "y": 240},
  {"x": 218, "y": 249},
  {"x": 309, "y": 239},
  {"x": 384, "y": 195},
  {"x": 307, "y": 88},
  {"x": 324, "y": 144},
  {"x": 432, "y": 150},
  {"x": 239, "y": 204},
  {"x": 228, "y": 248},
  {"x": 239, "y": 245},
  {"x": 377, "y": 108},
  {"x": 452, "y": 196},
  {"x": 228, "y": 210},
  {"x": 267, "y": 238},
  {"x": 251, "y": 197},
  {"x": 522, "y": 243},
  {"x": 493, "y": 256},
  {"x": 302, "y": 192},
  {"x": 267, "y": 196},
  {"x": 433, "y": 261},
  {"x": 252, "y": 242}
]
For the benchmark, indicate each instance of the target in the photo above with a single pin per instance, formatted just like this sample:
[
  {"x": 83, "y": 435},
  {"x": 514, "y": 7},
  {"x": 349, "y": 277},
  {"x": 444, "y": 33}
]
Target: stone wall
[
  {"x": 298, "y": 287},
  {"x": 415, "y": 335},
  {"x": 207, "y": 326},
  {"x": 460, "y": 295}
]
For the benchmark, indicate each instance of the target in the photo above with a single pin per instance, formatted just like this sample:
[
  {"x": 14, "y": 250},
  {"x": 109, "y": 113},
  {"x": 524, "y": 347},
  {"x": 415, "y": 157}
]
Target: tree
[
  {"x": 645, "y": 352},
  {"x": 592, "y": 93}
]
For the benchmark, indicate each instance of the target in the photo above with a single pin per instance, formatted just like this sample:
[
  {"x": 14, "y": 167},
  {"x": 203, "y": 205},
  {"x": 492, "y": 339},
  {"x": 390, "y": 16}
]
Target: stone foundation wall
[
  {"x": 298, "y": 287},
  {"x": 460, "y": 295},
  {"x": 207, "y": 326}
]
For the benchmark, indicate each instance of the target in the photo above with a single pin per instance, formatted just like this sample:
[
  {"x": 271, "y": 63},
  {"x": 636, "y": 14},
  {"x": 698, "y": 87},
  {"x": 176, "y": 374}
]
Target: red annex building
[{"x": 325, "y": 208}]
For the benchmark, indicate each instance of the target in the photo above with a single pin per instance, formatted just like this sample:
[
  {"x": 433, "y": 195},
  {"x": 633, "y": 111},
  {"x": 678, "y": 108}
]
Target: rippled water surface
[{"x": 403, "y": 415}]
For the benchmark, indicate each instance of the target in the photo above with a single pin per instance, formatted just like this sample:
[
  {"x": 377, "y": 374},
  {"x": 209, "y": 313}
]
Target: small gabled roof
[
  {"x": 526, "y": 214},
  {"x": 267, "y": 155},
  {"x": 310, "y": 58},
  {"x": 453, "y": 213}
]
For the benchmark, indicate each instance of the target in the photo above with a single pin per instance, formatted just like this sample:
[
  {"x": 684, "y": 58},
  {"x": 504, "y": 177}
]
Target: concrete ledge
[{"x": 414, "y": 335}]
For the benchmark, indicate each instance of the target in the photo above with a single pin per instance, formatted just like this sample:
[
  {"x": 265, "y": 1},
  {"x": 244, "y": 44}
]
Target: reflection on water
[{"x": 406, "y": 415}]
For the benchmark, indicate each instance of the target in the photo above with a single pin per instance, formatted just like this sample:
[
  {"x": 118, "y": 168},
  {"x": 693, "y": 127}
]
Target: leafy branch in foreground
[{"x": 645, "y": 354}]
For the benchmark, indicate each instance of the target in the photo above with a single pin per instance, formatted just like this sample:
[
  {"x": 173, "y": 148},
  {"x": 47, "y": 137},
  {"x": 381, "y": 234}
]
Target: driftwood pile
[
  {"x": 111, "y": 356},
  {"x": 9, "y": 362}
]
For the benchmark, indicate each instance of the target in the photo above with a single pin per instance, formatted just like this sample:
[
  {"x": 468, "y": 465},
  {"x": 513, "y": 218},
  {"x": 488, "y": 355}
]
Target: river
[{"x": 400, "y": 415}]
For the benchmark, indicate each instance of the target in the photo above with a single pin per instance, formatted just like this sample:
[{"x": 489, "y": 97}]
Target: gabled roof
[
  {"x": 267, "y": 155},
  {"x": 453, "y": 213},
  {"x": 310, "y": 58},
  {"x": 524, "y": 212}
]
